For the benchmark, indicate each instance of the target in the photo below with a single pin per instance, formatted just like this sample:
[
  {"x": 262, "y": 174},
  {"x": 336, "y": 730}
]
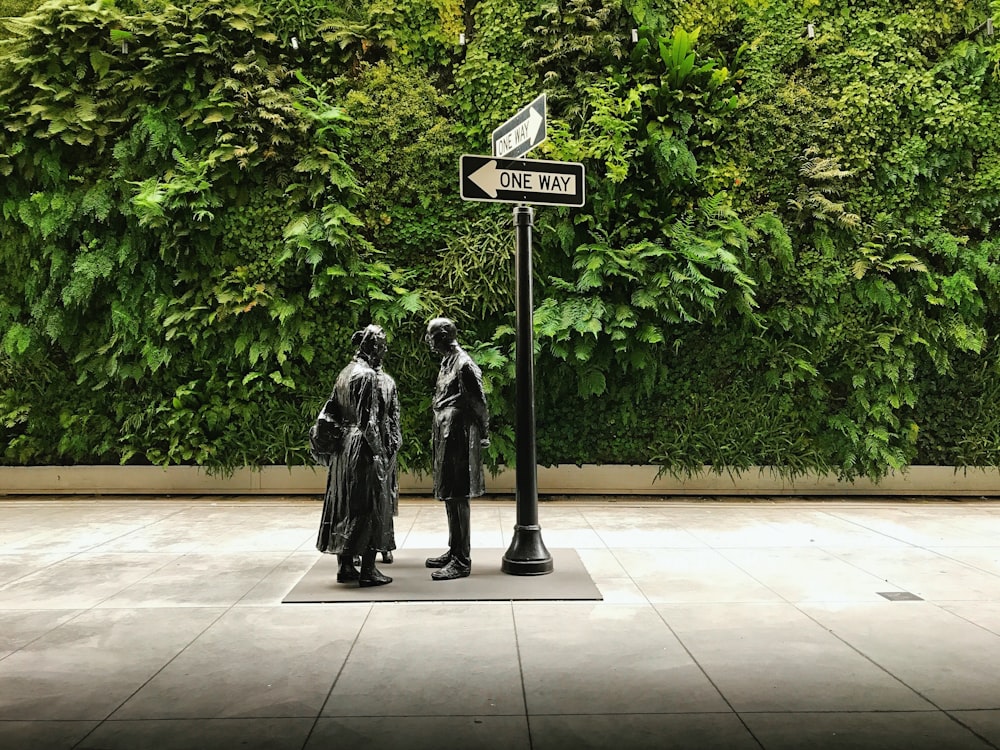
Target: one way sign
[
  {"x": 522, "y": 132},
  {"x": 543, "y": 183}
]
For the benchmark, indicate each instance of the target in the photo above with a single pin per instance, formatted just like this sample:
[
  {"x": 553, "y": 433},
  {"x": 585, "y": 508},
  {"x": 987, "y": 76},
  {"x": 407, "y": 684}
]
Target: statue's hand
[
  {"x": 380, "y": 468},
  {"x": 484, "y": 442}
]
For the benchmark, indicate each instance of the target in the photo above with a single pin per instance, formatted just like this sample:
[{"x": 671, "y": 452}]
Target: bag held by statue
[{"x": 325, "y": 435}]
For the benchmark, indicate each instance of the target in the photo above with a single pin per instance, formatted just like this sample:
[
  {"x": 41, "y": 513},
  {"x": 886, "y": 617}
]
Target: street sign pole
[
  {"x": 527, "y": 555},
  {"x": 507, "y": 178}
]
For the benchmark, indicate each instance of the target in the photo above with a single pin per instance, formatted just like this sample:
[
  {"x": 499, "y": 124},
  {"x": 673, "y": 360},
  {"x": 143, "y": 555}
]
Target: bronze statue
[
  {"x": 357, "y": 434},
  {"x": 461, "y": 429}
]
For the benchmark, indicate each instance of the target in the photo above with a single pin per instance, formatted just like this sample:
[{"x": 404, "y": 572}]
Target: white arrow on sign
[
  {"x": 528, "y": 131},
  {"x": 490, "y": 180}
]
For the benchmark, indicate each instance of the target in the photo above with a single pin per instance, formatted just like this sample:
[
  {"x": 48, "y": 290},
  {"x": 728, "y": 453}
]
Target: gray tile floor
[{"x": 135, "y": 623}]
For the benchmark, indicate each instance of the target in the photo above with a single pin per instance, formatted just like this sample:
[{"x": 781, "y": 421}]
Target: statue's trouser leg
[
  {"x": 367, "y": 563},
  {"x": 459, "y": 530},
  {"x": 345, "y": 563},
  {"x": 346, "y": 572}
]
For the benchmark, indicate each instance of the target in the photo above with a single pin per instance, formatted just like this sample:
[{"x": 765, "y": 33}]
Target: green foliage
[
  {"x": 194, "y": 208},
  {"x": 663, "y": 246},
  {"x": 9, "y": 8},
  {"x": 494, "y": 78},
  {"x": 404, "y": 149},
  {"x": 788, "y": 255},
  {"x": 476, "y": 268},
  {"x": 573, "y": 44}
]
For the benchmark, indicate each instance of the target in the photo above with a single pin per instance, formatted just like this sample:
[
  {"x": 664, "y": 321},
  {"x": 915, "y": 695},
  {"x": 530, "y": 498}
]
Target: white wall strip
[{"x": 557, "y": 480}]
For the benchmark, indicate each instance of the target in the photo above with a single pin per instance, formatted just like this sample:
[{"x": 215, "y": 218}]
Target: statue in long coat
[
  {"x": 362, "y": 416},
  {"x": 460, "y": 431}
]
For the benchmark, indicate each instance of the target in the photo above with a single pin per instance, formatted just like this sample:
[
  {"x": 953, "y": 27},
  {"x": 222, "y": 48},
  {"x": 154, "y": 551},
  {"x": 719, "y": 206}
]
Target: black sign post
[
  {"x": 527, "y": 555},
  {"x": 549, "y": 183}
]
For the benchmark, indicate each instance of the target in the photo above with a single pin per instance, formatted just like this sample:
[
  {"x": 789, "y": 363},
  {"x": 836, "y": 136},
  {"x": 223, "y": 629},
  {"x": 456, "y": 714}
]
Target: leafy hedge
[{"x": 789, "y": 254}]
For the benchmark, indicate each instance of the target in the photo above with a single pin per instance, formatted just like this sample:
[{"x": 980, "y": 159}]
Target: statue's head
[
  {"x": 371, "y": 344},
  {"x": 441, "y": 334}
]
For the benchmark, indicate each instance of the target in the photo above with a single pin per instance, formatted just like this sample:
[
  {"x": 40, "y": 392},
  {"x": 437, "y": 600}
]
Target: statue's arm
[
  {"x": 475, "y": 398},
  {"x": 395, "y": 431},
  {"x": 365, "y": 389}
]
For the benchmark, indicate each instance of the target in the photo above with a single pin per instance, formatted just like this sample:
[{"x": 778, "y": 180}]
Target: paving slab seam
[
  {"x": 632, "y": 580},
  {"x": 134, "y": 530},
  {"x": 336, "y": 678},
  {"x": 936, "y": 709},
  {"x": 873, "y": 712},
  {"x": 856, "y": 566},
  {"x": 902, "y": 682},
  {"x": 590, "y": 525},
  {"x": 787, "y": 600},
  {"x": 98, "y": 603},
  {"x": 963, "y": 562},
  {"x": 90, "y": 549},
  {"x": 400, "y": 540},
  {"x": 832, "y": 513},
  {"x": 938, "y": 602},
  {"x": 171, "y": 660},
  {"x": 520, "y": 674},
  {"x": 454, "y": 715},
  {"x": 171, "y": 561},
  {"x": 264, "y": 577},
  {"x": 41, "y": 635},
  {"x": 546, "y": 714},
  {"x": 881, "y": 533},
  {"x": 720, "y": 551},
  {"x": 167, "y": 719},
  {"x": 860, "y": 711},
  {"x": 961, "y": 723},
  {"x": 708, "y": 677}
]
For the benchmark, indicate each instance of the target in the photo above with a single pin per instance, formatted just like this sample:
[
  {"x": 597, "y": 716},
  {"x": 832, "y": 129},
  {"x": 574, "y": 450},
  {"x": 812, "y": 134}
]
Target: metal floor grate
[{"x": 899, "y": 596}]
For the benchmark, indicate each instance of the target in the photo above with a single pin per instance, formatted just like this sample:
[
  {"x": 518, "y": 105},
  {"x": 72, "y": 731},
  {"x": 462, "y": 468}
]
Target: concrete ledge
[{"x": 940, "y": 481}]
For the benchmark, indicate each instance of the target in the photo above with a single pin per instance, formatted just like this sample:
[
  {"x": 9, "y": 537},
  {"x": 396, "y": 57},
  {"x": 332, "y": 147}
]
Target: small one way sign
[
  {"x": 522, "y": 132},
  {"x": 543, "y": 183}
]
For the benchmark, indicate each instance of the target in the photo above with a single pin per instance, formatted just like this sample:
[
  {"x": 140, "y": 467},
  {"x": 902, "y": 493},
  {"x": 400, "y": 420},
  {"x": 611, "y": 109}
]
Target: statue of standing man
[
  {"x": 358, "y": 436},
  {"x": 461, "y": 430}
]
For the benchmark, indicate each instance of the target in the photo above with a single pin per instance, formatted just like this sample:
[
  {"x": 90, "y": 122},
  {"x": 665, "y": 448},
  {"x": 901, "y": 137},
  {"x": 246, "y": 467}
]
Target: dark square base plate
[{"x": 412, "y": 582}]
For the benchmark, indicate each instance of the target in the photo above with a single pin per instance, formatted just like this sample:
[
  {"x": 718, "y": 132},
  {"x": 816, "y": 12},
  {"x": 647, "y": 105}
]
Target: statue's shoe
[
  {"x": 375, "y": 578},
  {"x": 452, "y": 570},
  {"x": 387, "y": 557},
  {"x": 438, "y": 562}
]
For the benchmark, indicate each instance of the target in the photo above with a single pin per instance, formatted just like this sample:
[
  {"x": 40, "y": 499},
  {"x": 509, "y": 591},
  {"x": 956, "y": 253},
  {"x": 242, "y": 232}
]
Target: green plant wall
[{"x": 788, "y": 256}]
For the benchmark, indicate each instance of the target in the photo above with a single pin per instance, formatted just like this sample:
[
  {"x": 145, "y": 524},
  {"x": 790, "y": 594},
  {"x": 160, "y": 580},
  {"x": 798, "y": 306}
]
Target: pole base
[{"x": 527, "y": 555}]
